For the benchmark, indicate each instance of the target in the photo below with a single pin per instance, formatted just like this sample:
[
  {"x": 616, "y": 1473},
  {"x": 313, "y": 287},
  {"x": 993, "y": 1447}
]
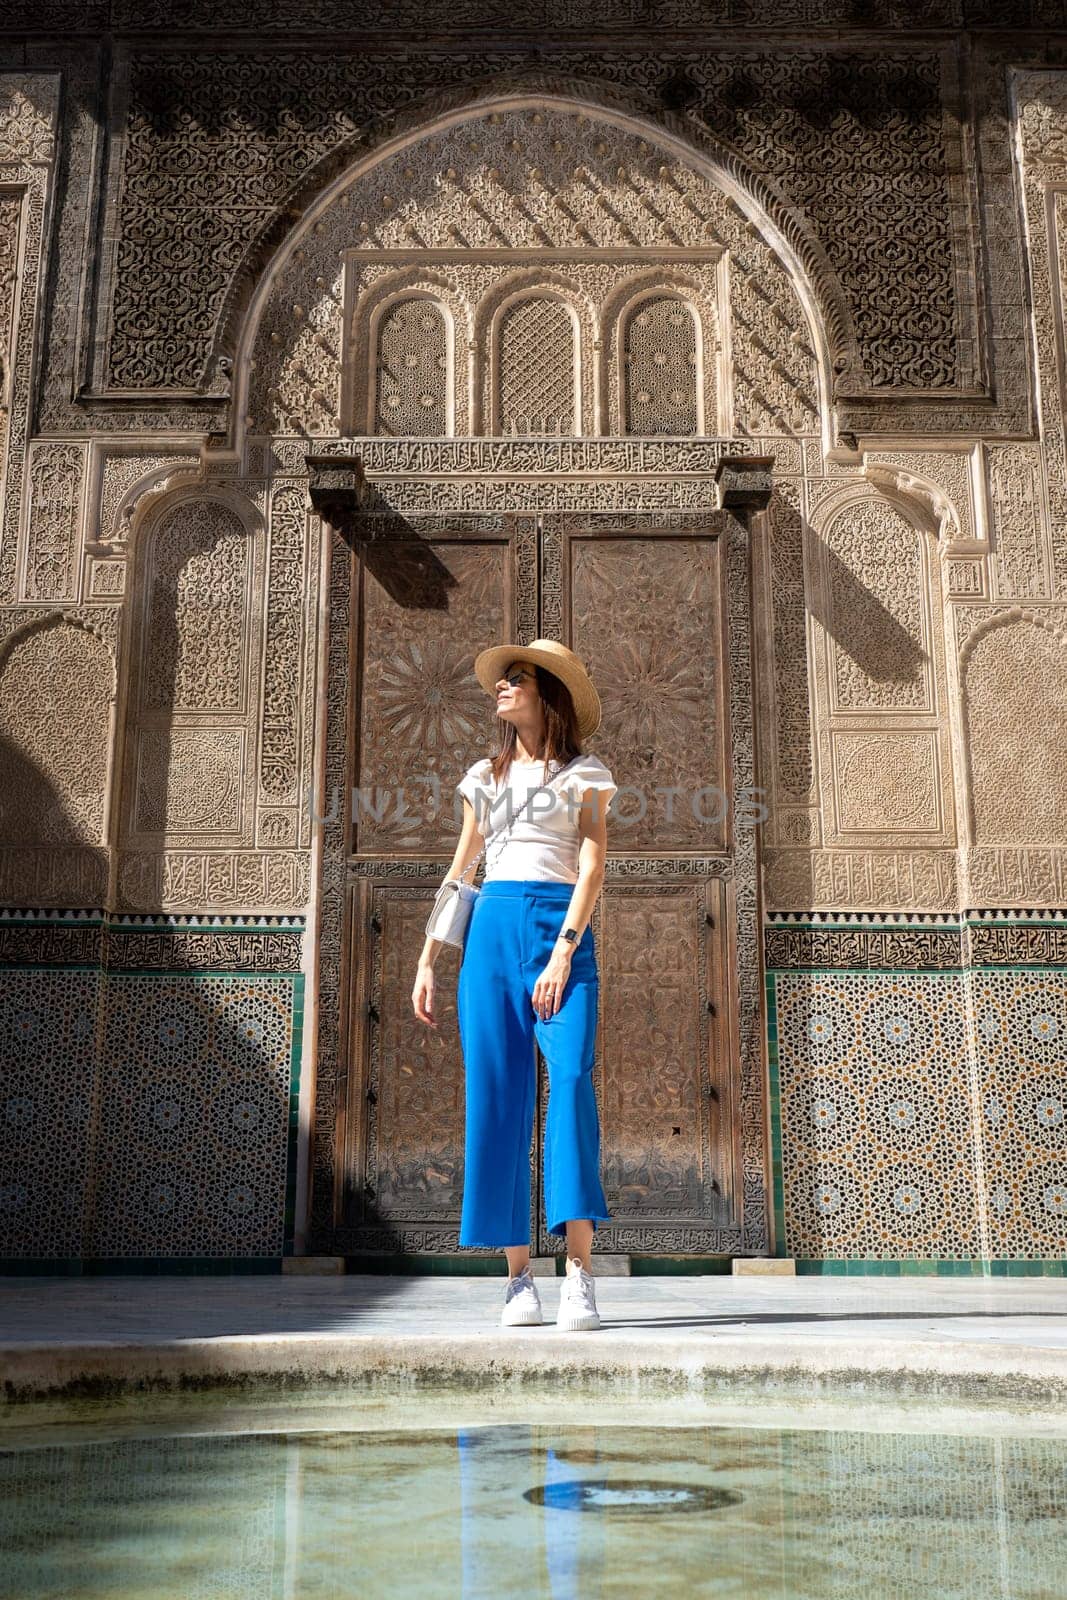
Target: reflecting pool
[{"x": 569, "y": 1512}]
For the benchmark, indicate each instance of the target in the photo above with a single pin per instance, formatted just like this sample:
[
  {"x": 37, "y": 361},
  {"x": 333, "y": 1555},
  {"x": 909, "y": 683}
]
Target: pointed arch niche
[
  {"x": 499, "y": 212},
  {"x": 499, "y": 218},
  {"x": 195, "y": 642}
]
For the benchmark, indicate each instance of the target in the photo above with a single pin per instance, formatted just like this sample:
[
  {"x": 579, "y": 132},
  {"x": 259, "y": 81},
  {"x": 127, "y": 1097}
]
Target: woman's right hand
[{"x": 423, "y": 994}]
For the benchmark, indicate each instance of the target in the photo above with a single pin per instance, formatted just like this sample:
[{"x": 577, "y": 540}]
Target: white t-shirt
[{"x": 543, "y": 843}]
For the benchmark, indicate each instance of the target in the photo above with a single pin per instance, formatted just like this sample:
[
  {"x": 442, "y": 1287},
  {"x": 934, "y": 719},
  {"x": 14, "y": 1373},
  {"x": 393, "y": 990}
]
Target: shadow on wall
[
  {"x": 33, "y": 810},
  {"x": 148, "y": 1070},
  {"x": 868, "y": 633},
  {"x": 50, "y": 1001}
]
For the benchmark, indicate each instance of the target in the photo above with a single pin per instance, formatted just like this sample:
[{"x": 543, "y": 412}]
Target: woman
[{"x": 529, "y": 970}]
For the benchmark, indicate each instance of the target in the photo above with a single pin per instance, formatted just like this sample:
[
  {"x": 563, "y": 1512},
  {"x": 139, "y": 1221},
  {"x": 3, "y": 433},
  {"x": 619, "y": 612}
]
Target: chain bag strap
[{"x": 455, "y": 898}]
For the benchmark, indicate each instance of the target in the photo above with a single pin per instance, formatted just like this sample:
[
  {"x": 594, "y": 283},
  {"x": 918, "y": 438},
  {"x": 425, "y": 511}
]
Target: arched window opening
[
  {"x": 412, "y": 370},
  {"x": 660, "y": 368},
  {"x": 537, "y": 368}
]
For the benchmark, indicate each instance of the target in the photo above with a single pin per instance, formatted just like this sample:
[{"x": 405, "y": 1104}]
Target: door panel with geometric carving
[
  {"x": 664, "y": 1077},
  {"x": 427, "y": 594},
  {"x": 643, "y": 604}
]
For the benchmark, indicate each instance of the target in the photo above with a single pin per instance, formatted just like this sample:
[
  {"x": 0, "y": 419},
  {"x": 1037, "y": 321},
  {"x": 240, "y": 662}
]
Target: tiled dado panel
[
  {"x": 919, "y": 1089},
  {"x": 149, "y": 1072}
]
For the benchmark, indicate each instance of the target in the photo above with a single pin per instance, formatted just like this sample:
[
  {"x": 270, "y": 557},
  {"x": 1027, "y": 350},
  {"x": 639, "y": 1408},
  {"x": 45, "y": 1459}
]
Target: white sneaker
[
  {"x": 522, "y": 1303},
  {"x": 577, "y": 1300}
]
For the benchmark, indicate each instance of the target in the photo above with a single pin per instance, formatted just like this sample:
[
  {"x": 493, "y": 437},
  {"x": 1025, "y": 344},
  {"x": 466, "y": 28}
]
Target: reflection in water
[
  {"x": 563, "y": 1513},
  {"x": 571, "y": 1552}
]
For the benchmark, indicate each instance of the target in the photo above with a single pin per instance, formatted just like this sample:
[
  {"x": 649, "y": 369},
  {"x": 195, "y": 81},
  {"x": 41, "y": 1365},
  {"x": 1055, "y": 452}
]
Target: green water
[{"x": 568, "y": 1512}]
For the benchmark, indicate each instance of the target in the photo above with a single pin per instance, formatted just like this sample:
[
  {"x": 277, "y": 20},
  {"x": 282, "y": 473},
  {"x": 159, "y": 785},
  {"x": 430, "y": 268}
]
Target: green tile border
[
  {"x": 493, "y": 1266},
  {"x": 1016, "y": 966},
  {"x": 775, "y": 1106},
  {"x": 972, "y": 1268}
]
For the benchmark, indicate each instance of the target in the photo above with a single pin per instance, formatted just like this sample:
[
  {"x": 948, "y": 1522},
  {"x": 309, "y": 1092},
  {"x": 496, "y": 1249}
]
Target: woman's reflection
[{"x": 558, "y": 1549}]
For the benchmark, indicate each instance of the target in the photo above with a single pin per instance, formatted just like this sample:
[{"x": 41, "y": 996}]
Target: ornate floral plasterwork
[
  {"x": 879, "y": 674},
  {"x": 530, "y": 201},
  {"x": 10, "y": 238},
  {"x": 54, "y": 522},
  {"x": 27, "y": 120},
  {"x": 1018, "y": 513},
  {"x": 909, "y": 89},
  {"x": 1041, "y": 100},
  {"x": 28, "y": 112},
  {"x": 55, "y": 674},
  {"x": 862, "y": 880},
  {"x": 540, "y": 20},
  {"x": 123, "y": 476},
  {"x": 1013, "y": 669},
  {"x": 584, "y": 74}
]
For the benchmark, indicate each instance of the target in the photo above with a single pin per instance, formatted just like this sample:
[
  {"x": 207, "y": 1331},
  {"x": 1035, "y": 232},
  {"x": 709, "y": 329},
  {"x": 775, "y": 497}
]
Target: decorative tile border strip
[
  {"x": 51, "y": 944},
  {"x": 143, "y": 1266},
  {"x": 204, "y": 950},
  {"x": 1013, "y": 914},
  {"x": 162, "y": 943},
  {"x": 254, "y": 922},
  {"x": 33, "y": 916},
  {"x": 936, "y": 942},
  {"x": 1026, "y": 944},
  {"x": 852, "y": 947}
]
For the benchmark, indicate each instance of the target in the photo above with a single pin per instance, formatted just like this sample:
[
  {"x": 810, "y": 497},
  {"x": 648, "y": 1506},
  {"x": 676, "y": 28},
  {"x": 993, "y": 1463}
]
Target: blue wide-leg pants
[{"x": 512, "y": 928}]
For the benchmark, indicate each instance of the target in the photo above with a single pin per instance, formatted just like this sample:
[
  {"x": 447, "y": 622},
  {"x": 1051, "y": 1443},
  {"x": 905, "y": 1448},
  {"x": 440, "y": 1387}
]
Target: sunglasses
[{"x": 517, "y": 676}]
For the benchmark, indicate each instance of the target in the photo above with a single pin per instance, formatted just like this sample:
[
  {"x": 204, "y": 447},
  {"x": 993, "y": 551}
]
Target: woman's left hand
[{"x": 548, "y": 990}]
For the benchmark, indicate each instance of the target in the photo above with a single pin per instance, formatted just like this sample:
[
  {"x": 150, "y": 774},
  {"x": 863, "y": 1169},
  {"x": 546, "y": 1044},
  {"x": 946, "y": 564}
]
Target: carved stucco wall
[
  {"x": 765, "y": 107},
  {"x": 910, "y": 599},
  {"x": 508, "y": 207},
  {"x": 621, "y": 199},
  {"x": 52, "y": 671},
  {"x": 1012, "y": 664}
]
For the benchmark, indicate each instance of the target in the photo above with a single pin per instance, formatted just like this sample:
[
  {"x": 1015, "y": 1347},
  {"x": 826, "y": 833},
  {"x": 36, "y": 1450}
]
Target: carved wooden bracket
[
  {"x": 337, "y": 485},
  {"x": 745, "y": 482}
]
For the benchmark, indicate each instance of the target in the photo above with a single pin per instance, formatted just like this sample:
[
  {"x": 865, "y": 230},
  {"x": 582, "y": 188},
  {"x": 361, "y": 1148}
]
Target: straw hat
[{"x": 490, "y": 664}]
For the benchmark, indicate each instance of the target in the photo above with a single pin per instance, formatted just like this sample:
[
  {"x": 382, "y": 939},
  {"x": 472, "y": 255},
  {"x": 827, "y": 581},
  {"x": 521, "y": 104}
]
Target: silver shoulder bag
[{"x": 454, "y": 900}]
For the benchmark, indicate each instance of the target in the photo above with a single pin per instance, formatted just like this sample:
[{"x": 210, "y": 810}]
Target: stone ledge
[
  {"x": 313, "y": 1266},
  {"x": 142, "y": 1344},
  {"x": 534, "y": 1361},
  {"x": 764, "y": 1267}
]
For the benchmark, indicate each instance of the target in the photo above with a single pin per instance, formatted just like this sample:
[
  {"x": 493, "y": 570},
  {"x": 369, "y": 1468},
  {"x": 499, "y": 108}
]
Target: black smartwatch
[{"x": 570, "y": 934}]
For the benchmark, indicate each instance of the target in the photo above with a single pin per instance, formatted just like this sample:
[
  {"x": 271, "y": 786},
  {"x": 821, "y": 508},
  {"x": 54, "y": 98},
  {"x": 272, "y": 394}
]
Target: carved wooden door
[{"x": 643, "y": 602}]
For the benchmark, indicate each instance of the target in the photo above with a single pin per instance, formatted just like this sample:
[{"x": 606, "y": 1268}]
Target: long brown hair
[{"x": 561, "y": 743}]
